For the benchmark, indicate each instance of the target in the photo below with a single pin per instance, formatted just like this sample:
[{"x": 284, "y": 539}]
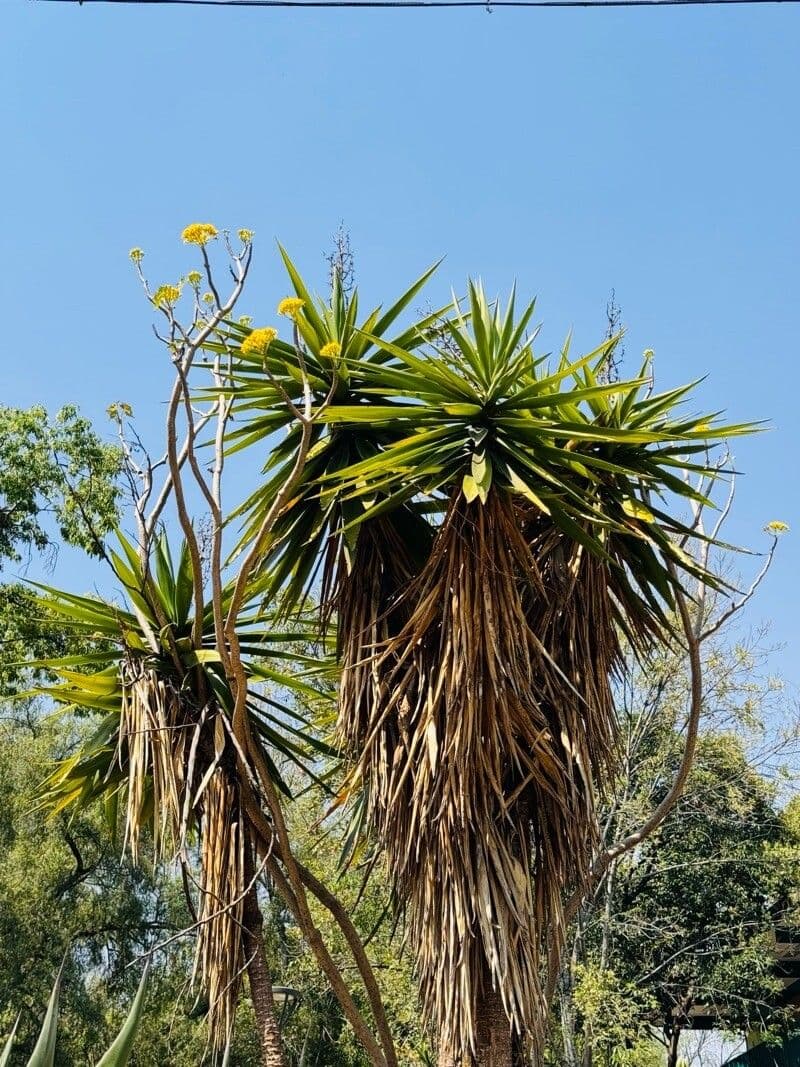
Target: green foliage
[
  {"x": 156, "y": 634},
  {"x": 55, "y": 466},
  {"x": 614, "y": 1014},
  {"x": 120, "y": 1051},
  {"x": 688, "y": 919},
  {"x": 705, "y": 889}
]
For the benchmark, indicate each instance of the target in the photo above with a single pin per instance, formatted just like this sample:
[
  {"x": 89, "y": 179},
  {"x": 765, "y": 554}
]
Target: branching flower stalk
[{"x": 189, "y": 750}]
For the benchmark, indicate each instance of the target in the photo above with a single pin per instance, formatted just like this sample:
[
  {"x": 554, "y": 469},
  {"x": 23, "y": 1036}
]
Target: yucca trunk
[
  {"x": 259, "y": 978},
  {"x": 494, "y": 1042}
]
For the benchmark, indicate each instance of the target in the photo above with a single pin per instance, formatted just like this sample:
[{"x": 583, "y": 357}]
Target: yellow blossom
[
  {"x": 245, "y": 236},
  {"x": 290, "y": 306},
  {"x": 257, "y": 342},
  {"x": 331, "y": 350},
  {"x": 114, "y": 411},
  {"x": 207, "y": 298},
  {"x": 166, "y": 295},
  {"x": 777, "y": 527},
  {"x": 136, "y": 255},
  {"x": 193, "y": 278},
  {"x": 199, "y": 233}
]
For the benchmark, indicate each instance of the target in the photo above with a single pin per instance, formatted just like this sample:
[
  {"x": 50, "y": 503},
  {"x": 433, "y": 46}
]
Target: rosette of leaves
[
  {"x": 311, "y": 528},
  {"x": 164, "y": 756}
]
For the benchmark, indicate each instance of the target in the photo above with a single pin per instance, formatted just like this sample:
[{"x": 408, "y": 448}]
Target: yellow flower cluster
[
  {"x": 290, "y": 306},
  {"x": 245, "y": 236},
  {"x": 777, "y": 527},
  {"x": 257, "y": 342},
  {"x": 166, "y": 295},
  {"x": 136, "y": 255},
  {"x": 194, "y": 278},
  {"x": 331, "y": 350},
  {"x": 199, "y": 233}
]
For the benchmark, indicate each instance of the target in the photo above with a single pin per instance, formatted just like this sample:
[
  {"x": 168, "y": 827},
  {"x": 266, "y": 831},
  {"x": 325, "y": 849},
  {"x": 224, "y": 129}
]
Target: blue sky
[{"x": 653, "y": 152}]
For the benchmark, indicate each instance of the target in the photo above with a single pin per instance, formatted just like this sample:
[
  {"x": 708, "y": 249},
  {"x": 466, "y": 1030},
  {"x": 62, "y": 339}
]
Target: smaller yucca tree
[
  {"x": 320, "y": 536},
  {"x": 164, "y": 752},
  {"x": 189, "y": 741},
  {"x": 509, "y": 521}
]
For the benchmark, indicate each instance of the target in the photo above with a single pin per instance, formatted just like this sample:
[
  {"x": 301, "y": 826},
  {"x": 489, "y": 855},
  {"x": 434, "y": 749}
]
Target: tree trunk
[
  {"x": 672, "y": 1048},
  {"x": 495, "y": 1045},
  {"x": 567, "y": 1015},
  {"x": 260, "y": 979}
]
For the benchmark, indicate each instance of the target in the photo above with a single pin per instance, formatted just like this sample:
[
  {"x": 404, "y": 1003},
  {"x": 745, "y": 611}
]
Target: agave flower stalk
[{"x": 188, "y": 740}]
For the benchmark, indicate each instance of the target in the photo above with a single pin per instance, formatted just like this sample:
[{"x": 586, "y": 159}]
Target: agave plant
[
  {"x": 164, "y": 748},
  {"x": 44, "y": 1052},
  {"x": 508, "y": 521}
]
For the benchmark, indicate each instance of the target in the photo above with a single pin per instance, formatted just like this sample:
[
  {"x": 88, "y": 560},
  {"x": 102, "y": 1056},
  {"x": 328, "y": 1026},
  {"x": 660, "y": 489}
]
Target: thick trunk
[
  {"x": 672, "y": 1048},
  {"x": 260, "y": 981},
  {"x": 495, "y": 1044}
]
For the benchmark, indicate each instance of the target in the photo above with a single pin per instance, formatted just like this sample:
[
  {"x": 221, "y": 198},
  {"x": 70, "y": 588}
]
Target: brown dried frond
[
  {"x": 483, "y": 806},
  {"x": 150, "y": 716},
  {"x": 370, "y": 610},
  {"x": 575, "y": 620},
  {"x": 179, "y": 775},
  {"x": 220, "y": 958}
]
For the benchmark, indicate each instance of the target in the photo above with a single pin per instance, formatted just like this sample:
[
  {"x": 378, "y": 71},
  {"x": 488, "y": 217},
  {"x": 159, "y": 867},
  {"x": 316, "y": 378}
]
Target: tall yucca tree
[
  {"x": 556, "y": 538},
  {"x": 163, "y": 756},
  {"x": 360, "y": 566},
  {"x": 507, "y": 523}
]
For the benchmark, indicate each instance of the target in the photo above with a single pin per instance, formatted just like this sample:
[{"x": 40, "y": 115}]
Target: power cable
[{"x": 487, "y": 4}]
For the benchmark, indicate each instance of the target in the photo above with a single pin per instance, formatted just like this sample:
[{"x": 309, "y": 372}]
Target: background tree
[
  {"x": 686, "y": 921},
  {"x": 58, "y": 480}
]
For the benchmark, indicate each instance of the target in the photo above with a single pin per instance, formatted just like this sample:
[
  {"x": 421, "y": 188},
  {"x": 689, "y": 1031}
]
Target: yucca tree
[
  {"x": 507, "y": 522},
  {"x": 321, "y": 536},
  {"x": 164, "y": 752}
]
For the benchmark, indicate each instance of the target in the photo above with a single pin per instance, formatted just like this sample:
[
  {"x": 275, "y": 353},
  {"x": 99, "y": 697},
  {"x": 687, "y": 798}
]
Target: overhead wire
[{"x": 486, "y": 4}]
